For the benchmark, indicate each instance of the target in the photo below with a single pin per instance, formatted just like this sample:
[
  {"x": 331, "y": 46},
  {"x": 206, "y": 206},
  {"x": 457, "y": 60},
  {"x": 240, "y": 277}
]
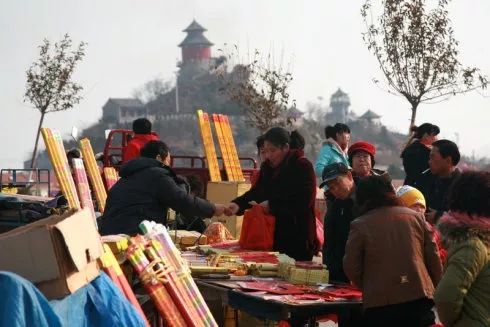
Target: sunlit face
[
  {"x": 361, "y": 163},
  {"x": 343, "y": 140},
  {"x": 275, "y": 154},
  {"x": 341, "y": 187},
  {"x": 439, "y": 165},
  {"x": 418, "y": 208},
  {"x": 428, "y": 138}
]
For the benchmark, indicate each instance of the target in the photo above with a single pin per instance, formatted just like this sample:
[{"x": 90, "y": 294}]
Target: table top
[{"x": 271, "y": 306}]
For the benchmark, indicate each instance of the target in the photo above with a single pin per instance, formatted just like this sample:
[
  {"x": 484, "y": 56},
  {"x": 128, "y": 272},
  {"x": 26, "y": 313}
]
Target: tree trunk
[
  {"x": 412, "y": 119},
  {"x": 34, "y": 153}
]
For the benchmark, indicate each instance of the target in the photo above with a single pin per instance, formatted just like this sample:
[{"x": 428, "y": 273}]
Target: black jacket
[
  {"x": 290, "y": 190},
  {"x": 436, "y": 190},
  {"x": 415, "y": 161},
  {"x": 146, "y": 190},
  {"x": 340, "y": 213}
]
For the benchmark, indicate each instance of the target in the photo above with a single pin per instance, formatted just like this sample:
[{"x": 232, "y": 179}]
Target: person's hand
[
  {"x": 430, "y": 215},
  {"x": 231, "y": 209},
  {"x": 219, "y": 209},
  {"x": 265, "y": 204}
]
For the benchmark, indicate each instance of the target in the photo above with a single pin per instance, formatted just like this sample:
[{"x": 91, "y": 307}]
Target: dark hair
[
  {"x": 154, "y": 148},
  {"x": 195, "y": 185},
  {"x": 420, "y": 131},
  {"x": 375, "y": 191},
  {"x": 332, "y": 131},
  {"x": 260, "y": 142},
  {"x": 425, "y": 128},
  {"x": 142, "y": 126},
  {"x": 448, "y": 149},
  {"x": 73, "y": 154},
  {"x": 470, "y": 193},
  {"x": 280, "y": 137},
  {"x": 297, "y": 141}
]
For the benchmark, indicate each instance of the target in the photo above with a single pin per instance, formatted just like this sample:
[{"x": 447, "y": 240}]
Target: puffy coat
[
  {"x": 463, "y": 295},
  {"x": 329, "y": 153},
  {"x": 132, "y": 150},
  {"x": 146, "y": 190},
  {"x": 290, "y": 190}
]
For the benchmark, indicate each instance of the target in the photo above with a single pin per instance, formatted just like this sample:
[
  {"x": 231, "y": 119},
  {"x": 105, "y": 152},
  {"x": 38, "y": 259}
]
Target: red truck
[{"x": 118, "y": 139}]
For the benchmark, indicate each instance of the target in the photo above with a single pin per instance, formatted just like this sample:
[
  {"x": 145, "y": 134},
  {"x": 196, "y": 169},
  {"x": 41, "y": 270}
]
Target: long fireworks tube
[
  {"x": 183, "y": 287},
  {"x": 162, "y": 300},
  {"x": 159, "y": 232},
  {"x": 189, "y": 316},
  {"x": 122, "y": 281}
]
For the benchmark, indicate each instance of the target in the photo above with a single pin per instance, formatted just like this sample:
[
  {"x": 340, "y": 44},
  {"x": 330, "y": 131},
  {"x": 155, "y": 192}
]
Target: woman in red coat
[{"x": 286, "y": 188}]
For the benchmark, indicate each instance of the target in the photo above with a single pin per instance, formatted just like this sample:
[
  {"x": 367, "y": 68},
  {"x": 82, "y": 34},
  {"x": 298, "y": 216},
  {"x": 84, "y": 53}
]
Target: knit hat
[
  {"x": 361, "y": 146},
  {"x": 410, "y": 196}
]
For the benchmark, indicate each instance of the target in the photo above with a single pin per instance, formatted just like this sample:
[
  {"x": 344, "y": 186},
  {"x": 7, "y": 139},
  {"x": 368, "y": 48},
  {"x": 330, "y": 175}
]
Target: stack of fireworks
[
  {"x": 263, "y": 269},
  {"x": 167, "y": 279},
  {"x": 306, "y": 273}
]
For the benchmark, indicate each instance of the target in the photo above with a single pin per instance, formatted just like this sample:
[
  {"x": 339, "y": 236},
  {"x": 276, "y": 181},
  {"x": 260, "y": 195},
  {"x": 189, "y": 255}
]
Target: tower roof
[
  {"x": 194, "y": 26},
  {"x": 194, "y": 37},
  {"x": 370, "y": 115},
  {"x": 338, "y": 93},
  {"x": 340, "y": 97}
]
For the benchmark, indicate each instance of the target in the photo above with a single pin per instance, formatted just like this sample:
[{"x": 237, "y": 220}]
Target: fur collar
[{"x": 457, "y": 227}]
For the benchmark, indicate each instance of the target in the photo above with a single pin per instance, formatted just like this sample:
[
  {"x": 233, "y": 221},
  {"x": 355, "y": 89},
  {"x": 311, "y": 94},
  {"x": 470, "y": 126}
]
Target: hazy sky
[{"x": 131, "y": 42}]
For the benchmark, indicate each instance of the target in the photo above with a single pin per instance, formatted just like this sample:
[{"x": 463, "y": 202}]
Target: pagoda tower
[{"x": 195, "y": 47}]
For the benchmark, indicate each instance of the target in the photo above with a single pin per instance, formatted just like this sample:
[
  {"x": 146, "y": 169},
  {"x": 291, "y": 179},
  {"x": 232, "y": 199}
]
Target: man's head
[
  {"x": 361, "y": 158},
  {"x": 337, "y": 180},
  {"x": 444, "y": 156},
  {"x": 141, "y": 126},
  {"x": 156, "y": 150}
]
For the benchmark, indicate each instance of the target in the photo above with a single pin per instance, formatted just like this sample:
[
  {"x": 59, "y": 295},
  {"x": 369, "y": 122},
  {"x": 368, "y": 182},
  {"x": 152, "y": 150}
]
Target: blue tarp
[{"x": 98, "y": 304}]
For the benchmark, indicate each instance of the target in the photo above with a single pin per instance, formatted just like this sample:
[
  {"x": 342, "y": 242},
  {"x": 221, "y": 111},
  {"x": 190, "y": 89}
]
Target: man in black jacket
[
  {"x": 147, "y": 188},
  {"x": 435, "y": 182},
  {"x": 338, "y": 181}
]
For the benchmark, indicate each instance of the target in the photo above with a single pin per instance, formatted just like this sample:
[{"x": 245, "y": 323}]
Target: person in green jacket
[{"x": 462, "y": 296}]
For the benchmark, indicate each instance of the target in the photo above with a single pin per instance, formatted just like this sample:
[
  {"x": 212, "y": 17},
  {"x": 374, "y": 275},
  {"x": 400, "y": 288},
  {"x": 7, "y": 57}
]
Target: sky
[{"x": 131, "y": 42}]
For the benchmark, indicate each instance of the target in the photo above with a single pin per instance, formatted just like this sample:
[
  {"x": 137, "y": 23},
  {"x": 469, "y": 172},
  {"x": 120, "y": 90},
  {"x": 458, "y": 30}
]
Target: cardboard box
[
  {"x": 57, "y": 253},
  {"x": 224, "y": 192}
]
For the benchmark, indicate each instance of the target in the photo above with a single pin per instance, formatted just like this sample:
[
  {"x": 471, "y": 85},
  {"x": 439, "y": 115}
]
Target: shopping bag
[
  {"x": 257, "y": 230},
  {"x": 319, "y": 232}
]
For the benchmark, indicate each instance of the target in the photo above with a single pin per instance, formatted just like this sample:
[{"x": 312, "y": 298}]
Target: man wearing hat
[
  {"x": 338, "y": 181},
  {"x": 361, "y": 159}
]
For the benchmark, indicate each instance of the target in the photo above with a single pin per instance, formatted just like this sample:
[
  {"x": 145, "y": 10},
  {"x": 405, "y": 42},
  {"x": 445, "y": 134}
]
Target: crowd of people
[{"x": 416, "y": 251}]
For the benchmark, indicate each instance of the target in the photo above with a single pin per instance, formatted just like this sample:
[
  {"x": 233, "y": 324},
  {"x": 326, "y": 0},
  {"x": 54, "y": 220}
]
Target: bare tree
[
  {"x": 263, "y": 90},
  {"x": 417, "y": 52},
  {"x": 49, "y": 86},
  {"x": 152, "y": 89}
]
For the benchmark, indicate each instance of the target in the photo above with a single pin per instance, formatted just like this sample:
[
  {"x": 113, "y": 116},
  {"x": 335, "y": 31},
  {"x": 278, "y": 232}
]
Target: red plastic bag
[
  {"x": 319, "y": 232},
  {"x": 257, "y": 230}
]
